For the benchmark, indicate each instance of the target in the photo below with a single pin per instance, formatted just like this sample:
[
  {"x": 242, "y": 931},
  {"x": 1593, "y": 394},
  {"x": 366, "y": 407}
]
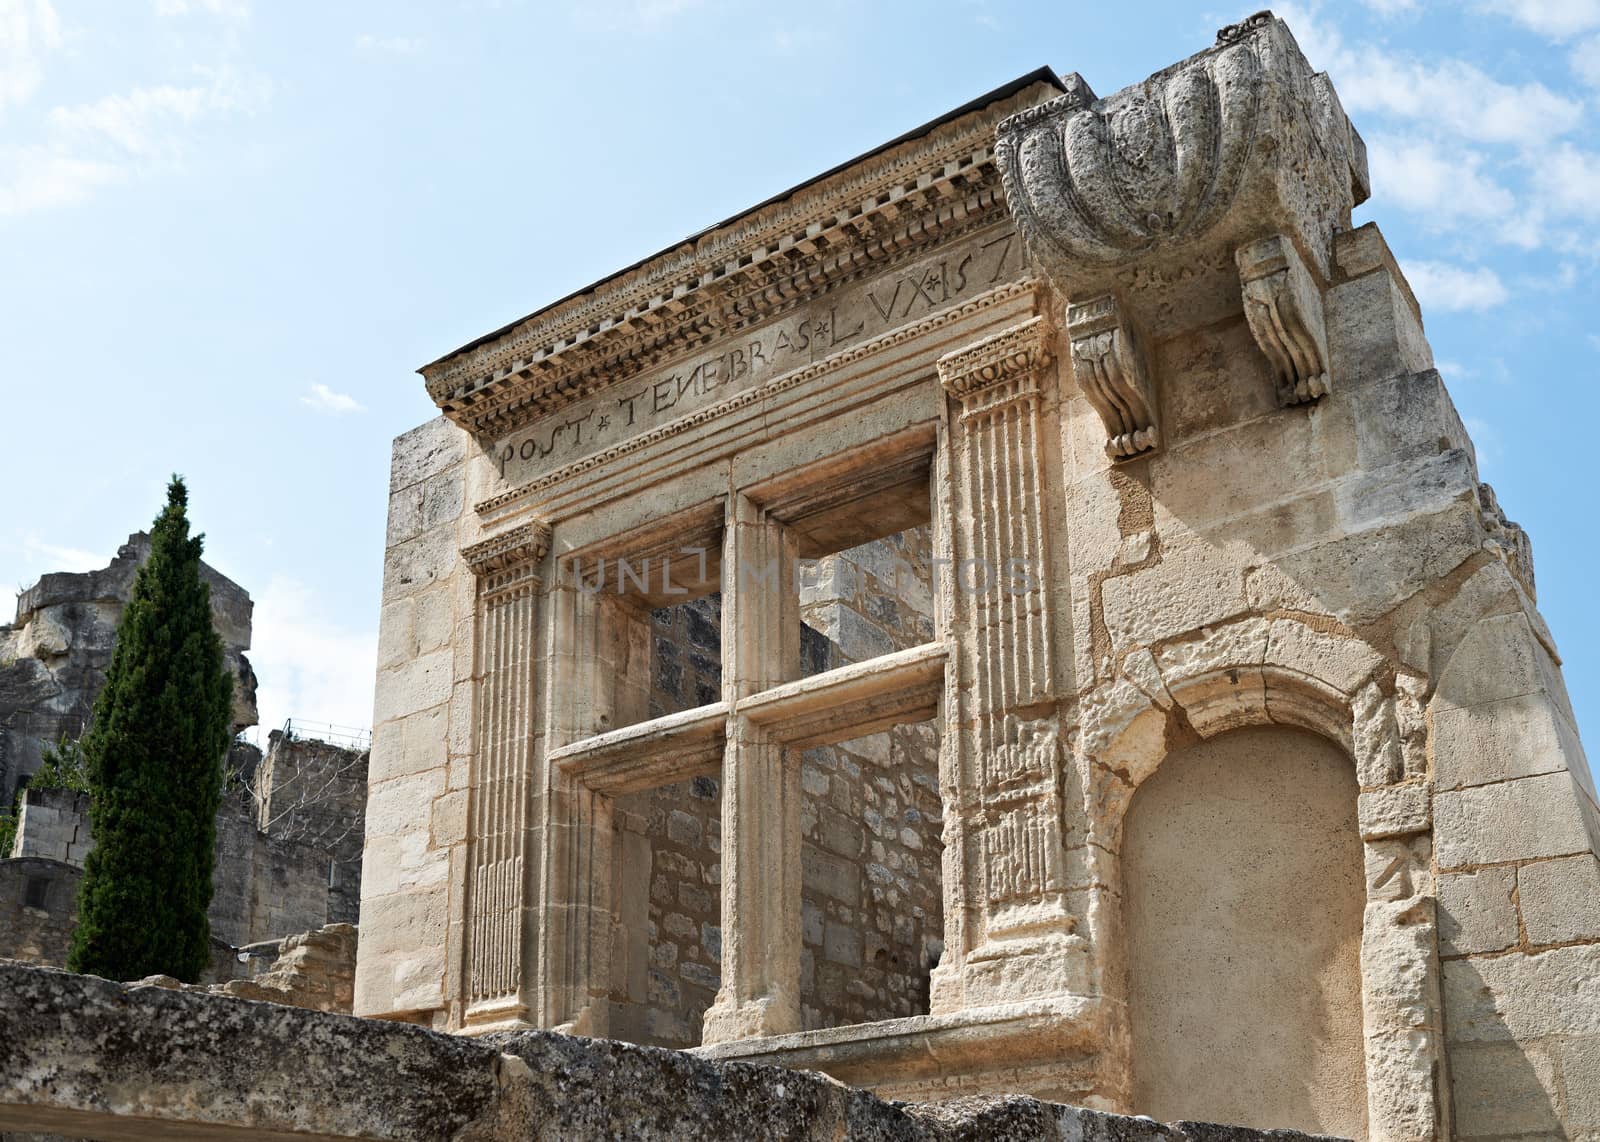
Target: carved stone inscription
[{"x": 809, "y": 333}]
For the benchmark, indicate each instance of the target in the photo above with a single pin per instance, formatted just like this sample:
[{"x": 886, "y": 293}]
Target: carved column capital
[
  {"x": 509, "y": 560},
  {"x": 1014, "y": 354},
  {"x": 1110, "y": 368}
]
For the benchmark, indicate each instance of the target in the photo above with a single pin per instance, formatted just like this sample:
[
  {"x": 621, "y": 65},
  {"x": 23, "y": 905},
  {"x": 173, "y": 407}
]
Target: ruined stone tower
[{"x": 1057, "y": 505}]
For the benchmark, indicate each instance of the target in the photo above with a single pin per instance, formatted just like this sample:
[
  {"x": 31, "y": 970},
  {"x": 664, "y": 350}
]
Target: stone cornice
[
  {"x": 864, "y": 219},
  {"x": 1008, "y": 355}
]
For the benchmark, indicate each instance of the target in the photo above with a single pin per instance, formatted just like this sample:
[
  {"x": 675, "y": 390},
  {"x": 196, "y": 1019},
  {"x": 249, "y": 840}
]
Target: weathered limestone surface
[
  {"x": 53, "y": 658},
  {"x": 1189, "y": 476},
  {"x": 81, "y": 1056}
]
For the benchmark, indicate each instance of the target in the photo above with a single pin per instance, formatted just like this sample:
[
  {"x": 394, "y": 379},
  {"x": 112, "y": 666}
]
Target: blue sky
[{"x": 231, "y": 230}]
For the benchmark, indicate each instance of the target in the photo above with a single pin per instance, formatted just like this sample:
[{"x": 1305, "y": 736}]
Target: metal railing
[{"x": 350, "y": 737}]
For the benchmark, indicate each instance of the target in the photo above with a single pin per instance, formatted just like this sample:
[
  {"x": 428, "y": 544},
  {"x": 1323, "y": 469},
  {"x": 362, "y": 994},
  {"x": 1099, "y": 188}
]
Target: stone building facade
[{"x": 1259, "y": 794}]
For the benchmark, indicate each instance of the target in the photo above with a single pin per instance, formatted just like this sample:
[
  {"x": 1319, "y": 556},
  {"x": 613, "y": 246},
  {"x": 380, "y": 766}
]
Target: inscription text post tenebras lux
[{"x": 799, "y": 339}]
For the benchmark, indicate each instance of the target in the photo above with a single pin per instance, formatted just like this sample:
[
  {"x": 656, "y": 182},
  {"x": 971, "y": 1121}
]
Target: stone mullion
[
  {"x": 760, "y": 992},
  {"x": 501, "y": 780}
]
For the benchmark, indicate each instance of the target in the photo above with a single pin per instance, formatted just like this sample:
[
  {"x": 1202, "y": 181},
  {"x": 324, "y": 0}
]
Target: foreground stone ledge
[{"x": 83, "y": 1056}]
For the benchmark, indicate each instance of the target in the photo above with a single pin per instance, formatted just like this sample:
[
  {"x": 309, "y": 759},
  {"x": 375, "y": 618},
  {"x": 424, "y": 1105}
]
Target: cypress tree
[{"x": 154, "y": 754}]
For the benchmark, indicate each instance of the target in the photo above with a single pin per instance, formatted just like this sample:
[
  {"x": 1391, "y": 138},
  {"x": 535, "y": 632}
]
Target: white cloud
[
  {"x": 1585, "y": 61},
  {"x": 308, "y": 664},
  {"x": 1487, "y": 443},
  {"x": 88, "y": 146},
  {"x": 1418, "y": 174},
  {"x": 1450, "y": 288},
  {"x": 139, "y": 121},
  {"x": 1441, "y": 93},
  {"x": 1455, "y": 95},
  {"x": 391, "y": 45},
  {"x": 29, "y": 30},
  {"x": 325, "y": 400},
  {"x": 632, "y": 15},
  {"x": 1391, "y": 7},
  {"x": 1557, "y": 19},
  {"x": 45, "y": 557},
  {"x": 237, "y": 10},
  {"x": 1569, "y": 180},
  {"x": 37, "y": 178}
]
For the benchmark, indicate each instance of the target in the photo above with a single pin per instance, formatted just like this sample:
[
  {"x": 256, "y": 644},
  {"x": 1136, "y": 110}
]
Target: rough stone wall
[
  {"x": 40, "y": 935},
  {"x": 266, "y": 884},
  {"x": 668, "y": 936},
  {"x": 872, "y": 913},
  {"x": 53, "y": 824},
  {"x": 54, "y": 656},
  {"x": 313, "y": 795}
]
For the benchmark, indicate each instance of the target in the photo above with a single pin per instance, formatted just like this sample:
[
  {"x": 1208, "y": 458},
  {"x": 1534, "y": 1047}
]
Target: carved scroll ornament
[
  {"x": 1110, "y": 368},
  {"x": 1284, "y": 308}
]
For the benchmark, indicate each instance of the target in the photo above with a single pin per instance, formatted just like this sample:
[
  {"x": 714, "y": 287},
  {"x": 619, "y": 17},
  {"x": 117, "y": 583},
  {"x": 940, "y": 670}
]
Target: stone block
[
  {"x": 842, "y": 944},
  {"x": 1513, "y": 820},
  {"x": 1580, "y": 1072},
  {"x": 425, "y": 451},
  {"x": 1521, "y": 736},
  {"x": 1377, "y": 497},
  {"x": 1476, "y": 913},
  {"x": 1374, "y": 329},
  {"x": 1502, "y": 1089},
  {"x": 393, "y": 806},
  {"x": 1360, "y": 578},
  {"x": 1393, "y": 811},
  {"x": 417, "y": 685},
  {"x": 1524, "y": 997},
  {"x": 449, "y": 819},
  {"x": 417, "y": 564},
  {"x": 1193, "y": 586},
  {"x": 1498, "y": 658},
  {"x": 1560, "y": 899}
]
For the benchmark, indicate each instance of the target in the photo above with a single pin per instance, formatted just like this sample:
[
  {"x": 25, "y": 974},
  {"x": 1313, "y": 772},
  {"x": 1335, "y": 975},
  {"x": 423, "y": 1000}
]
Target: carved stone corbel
[
  {"x": 1109, "y": 365},
  {"x": 1284, "y": 307}
]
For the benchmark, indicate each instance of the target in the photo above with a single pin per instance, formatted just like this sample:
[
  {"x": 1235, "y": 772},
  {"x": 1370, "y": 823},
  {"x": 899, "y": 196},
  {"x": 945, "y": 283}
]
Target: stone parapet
[{"x": 82, "y": 1056}]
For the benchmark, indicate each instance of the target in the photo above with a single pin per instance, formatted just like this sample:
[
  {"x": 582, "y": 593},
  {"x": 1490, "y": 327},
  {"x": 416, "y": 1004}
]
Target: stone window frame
[{"x": 751, "y": 739}]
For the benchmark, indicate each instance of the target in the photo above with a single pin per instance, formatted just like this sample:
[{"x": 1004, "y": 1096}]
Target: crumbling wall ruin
[{"x": 54, "y": 656}]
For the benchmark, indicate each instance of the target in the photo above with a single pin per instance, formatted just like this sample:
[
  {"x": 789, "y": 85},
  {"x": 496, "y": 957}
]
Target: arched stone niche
[
  {"x": 1230, "y": 695},
  {"x": 1242, "y": 902}
]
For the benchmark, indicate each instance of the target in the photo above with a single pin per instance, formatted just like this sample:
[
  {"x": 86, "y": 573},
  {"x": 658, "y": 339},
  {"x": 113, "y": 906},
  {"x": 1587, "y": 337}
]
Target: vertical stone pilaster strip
[
  {"x": 498, "y": 888},
  {"x": 1010, "y": 805},
  {"x": 760, "y": 992}
]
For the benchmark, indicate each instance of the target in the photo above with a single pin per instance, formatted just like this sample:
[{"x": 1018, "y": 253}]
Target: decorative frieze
[
  {"x": 1108, "y": 362},
  {"x": 1284, "y": 308}
]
